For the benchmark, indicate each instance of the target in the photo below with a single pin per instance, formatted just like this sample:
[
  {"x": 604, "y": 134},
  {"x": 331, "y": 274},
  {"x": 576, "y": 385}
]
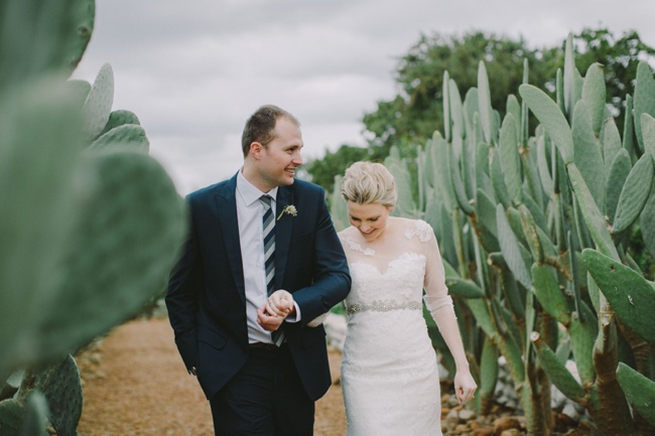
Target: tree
[
  {"x": 324, "y": 170},
  {"x": 619, "y": 57}
]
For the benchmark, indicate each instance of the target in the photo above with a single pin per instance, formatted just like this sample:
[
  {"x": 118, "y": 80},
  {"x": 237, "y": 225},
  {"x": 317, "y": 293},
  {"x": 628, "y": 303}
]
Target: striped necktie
[
  {"x": 268, "y": 222},
  {"x": 269, "y": 242}
]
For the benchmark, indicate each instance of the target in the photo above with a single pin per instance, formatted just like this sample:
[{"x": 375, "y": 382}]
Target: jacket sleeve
[{"x": 331, "y": 275}]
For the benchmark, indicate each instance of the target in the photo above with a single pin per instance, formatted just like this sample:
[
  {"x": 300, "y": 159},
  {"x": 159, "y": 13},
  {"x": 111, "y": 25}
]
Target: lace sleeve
[
  {"x": 436, "y": 292},
  {"x": 440, "y": 304}
]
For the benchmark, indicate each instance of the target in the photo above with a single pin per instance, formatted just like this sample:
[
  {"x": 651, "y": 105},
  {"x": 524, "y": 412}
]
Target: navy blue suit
[{"x": 206, "y": 296}]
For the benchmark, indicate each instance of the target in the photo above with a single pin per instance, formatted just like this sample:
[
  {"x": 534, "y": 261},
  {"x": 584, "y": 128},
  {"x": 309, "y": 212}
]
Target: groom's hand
[{"x": 270, "y": 322}]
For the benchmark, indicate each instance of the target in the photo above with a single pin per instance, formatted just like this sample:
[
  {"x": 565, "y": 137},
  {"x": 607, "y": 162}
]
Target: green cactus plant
[
  {"x": 488, "y": 374},
  {"x": 553, "y": 215},
  {"x": 630, "y": 295},
  {"x": 60, "y": 384},
  {"x": 644, "y": 100},
  {"x": 37, "y": 414},
  {"x": 118, "y": 118},
  {"x": 640, "y": 391},
  {"x": 634, "y": 194},
  {"x": 130, "y": 136},
  {"x": 11, "y": 416},
  {"x": 39, "y": 144},
  {"x": 95, "y": 224},
  {"x": 42, "y": 37}
]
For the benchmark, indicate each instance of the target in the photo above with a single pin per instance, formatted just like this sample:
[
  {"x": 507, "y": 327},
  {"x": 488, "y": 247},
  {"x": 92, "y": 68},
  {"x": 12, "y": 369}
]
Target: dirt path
[{"x": 134, "y": 383}]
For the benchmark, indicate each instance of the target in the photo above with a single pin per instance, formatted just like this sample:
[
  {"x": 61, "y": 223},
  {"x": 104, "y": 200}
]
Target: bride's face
[{"x": 369, "y": 219}]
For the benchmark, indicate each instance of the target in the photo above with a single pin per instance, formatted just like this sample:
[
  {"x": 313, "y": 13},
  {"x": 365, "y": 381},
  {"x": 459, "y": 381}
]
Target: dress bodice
[
  {"x": 399, "y": 286},
  {"x": 392, "y": 274}
]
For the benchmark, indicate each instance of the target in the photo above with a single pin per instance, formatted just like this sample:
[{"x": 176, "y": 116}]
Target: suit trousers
[{"x": 265, "y": 397}]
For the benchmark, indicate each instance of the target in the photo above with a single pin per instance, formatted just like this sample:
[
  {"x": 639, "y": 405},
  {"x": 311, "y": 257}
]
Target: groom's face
[{"x": 281, "y": 156}]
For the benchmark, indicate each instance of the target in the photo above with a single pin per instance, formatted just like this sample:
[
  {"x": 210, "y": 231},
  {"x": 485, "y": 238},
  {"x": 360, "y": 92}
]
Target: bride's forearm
[{"x": 447, "y": 324}]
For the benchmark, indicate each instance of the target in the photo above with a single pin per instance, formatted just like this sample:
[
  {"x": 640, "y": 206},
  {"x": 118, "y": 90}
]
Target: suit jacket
[{"x": 206, "y": 295}]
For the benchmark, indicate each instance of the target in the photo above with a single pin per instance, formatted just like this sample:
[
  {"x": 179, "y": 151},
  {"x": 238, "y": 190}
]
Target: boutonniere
[{"x": 288, "y": 210}]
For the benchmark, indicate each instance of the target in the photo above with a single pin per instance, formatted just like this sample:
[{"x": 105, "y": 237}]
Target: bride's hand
[
  {"x": 465, "y": 386},
  {"x": 280, "y": 303}
]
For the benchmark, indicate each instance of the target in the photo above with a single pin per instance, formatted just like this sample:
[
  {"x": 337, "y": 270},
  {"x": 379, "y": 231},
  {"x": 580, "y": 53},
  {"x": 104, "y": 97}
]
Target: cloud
[{"x": 193, "y": 72}]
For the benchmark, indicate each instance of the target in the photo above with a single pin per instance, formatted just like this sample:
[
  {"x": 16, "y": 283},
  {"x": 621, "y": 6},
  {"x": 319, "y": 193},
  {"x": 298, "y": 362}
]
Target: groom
[{"x": 262, "y": 260}]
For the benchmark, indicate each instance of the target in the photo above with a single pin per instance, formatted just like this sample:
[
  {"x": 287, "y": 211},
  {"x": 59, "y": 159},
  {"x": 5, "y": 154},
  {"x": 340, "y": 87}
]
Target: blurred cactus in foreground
[
  {"x": 537, "y": 235},
  {"x": 91, "y": 224}
]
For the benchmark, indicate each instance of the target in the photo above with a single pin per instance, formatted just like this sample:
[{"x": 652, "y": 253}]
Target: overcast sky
[{"x": 194, "y": 71}]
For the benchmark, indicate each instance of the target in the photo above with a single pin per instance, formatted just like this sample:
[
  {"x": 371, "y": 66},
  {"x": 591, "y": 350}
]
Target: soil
[{"x": 134, "y": 383}]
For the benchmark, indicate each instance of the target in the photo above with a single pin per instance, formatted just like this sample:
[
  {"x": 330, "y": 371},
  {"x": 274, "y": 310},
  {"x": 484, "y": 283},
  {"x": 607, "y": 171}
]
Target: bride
[{"x": 389, "y": 369}]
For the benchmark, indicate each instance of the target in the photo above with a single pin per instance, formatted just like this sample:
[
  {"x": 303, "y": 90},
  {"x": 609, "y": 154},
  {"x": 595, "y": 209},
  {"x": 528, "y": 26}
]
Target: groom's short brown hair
[{"x": 260, "y": 126}]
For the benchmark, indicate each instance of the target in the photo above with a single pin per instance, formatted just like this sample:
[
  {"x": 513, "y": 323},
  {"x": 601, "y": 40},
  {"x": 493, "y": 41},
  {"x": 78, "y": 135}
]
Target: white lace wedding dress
[{"x": 389, "y": 371}]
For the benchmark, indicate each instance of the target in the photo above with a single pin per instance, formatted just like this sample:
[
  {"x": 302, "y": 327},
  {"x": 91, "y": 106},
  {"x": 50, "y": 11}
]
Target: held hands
[
  {"x": 465, "y": 386},
  {"x": 278, "y": 307}
]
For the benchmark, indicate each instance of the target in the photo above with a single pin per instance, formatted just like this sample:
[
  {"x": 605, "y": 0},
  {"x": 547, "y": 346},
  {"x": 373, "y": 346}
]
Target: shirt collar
[{"x": 249, "y": 192}]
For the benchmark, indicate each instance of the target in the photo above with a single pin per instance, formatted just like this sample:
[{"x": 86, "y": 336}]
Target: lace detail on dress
[
  {"x": 358, "y": 247},
  {"x": 420, "y": 229},
  {"x": 382, "y": 306}
]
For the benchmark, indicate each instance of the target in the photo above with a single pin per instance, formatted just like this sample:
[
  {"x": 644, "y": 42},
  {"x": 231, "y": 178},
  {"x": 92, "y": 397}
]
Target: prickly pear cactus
[
  {"x": 41, "y": 37},
  {"x": 640, "y": 391},
  {"x": 60, "y": 384},
  {"x": 131, "y": 206},
  {"x": 537, "y": 231},
  {"x": 37, "y": 414},
  {"x": 11, "y": 416},
  {"x": 39, "y": 152},
  {"x": 631, "y": 296},
  {"x": 94, "y": 223}
]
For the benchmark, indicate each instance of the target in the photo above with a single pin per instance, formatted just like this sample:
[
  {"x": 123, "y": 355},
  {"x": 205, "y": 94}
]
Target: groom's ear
[{"x": 256, "y": 149}]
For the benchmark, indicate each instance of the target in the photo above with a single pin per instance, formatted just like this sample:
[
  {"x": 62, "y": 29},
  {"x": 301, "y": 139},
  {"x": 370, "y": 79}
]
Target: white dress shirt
[{"x": 250, "y": 214}]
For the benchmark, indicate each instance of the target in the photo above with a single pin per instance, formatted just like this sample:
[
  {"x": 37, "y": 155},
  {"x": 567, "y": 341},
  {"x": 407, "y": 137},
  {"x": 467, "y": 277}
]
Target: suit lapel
[
  {"x": 283, "y": 228},
  {"x": 227, "y": 213}
]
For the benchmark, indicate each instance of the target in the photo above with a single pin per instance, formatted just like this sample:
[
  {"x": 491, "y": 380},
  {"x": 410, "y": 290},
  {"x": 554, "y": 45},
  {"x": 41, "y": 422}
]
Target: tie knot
[{"x": 266, "y": 200}]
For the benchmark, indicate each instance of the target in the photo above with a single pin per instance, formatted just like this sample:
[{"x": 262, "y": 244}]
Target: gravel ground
[{"x": 134, "y": 383}]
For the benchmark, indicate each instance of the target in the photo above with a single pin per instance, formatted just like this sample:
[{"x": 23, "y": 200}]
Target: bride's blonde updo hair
[{"x": 369, "y": 182}]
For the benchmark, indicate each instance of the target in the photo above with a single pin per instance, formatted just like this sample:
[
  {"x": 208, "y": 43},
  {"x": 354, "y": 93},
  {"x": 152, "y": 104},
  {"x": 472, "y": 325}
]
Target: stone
[
  {"x": 462, "y": 428},
  {"x": 569, "y": 410},
  {"x": 466, "y": 414},
  {"x": 444, "y": 412},
  {"x": 452, "y": 419},
  {"x": 506, "y": 423},
  {"x": 483, "y": 431},
  {"x": 511, "y": 432},
  {"x": 563, "y": 421}
]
